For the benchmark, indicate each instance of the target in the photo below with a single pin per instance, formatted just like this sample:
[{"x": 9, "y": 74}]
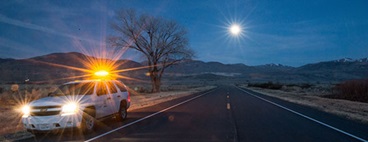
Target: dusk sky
[{"x": 289, "y": 32}]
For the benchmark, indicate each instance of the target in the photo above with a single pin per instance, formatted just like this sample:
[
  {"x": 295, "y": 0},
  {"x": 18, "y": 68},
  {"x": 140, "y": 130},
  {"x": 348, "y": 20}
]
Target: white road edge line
[
  {"x": 126, "y": 125},
  {"x": 302, "y": 115}
]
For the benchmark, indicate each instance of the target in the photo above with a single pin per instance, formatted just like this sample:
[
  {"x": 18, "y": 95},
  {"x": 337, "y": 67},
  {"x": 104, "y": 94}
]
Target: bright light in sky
[{"x": 235, "y": 29}]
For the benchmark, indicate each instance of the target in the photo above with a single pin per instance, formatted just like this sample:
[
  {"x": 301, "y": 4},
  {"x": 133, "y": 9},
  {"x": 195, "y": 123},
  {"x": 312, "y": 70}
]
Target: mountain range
[{"x": 51, "y": 68}]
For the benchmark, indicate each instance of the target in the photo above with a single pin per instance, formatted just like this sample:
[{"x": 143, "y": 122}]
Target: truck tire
[
  {"x": 123, "y": 113},
  {"x": 88, "y": 121}
]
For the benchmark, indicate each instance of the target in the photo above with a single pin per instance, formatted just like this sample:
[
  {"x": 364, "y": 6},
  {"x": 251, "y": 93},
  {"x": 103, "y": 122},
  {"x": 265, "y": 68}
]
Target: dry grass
[
  {"x": 349, "y": 109},
  {"x": 145, "y": 100}
]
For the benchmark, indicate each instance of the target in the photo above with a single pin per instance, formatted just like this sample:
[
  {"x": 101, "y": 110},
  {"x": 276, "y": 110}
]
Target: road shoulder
[{"x": 356, "y": 111}]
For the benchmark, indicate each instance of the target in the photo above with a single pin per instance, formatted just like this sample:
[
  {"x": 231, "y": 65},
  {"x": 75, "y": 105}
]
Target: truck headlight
[
  {"x": 26, "y": 110},
  {"x": 70, "y": 108}
]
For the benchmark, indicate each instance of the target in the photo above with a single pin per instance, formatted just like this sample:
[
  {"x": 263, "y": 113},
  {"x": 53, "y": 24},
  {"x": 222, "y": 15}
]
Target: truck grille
[
  {"x": 45, "y": 110},
  {"x": 47, "y": 113}
]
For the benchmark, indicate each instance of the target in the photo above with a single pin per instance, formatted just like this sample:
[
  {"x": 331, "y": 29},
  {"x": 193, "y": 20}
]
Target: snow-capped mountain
[
  {"x": 363, "y": 60},
  {"x": 344, "y": 60},
  {"x": 275, "y": 65}
]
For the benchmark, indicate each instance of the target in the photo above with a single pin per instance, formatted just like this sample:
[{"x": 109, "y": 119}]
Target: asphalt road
[{"x": 227, "y": 113}]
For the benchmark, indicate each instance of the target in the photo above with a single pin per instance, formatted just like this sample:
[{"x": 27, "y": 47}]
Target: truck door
[
  {"x": 103, "y": 99},
  {"x": 115, "y": 97}
]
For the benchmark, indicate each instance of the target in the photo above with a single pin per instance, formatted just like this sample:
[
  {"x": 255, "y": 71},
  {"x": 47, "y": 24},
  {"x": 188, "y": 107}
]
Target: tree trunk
[
  {"x": 155, "y": 82},
  {"x": 158, "y": 85}
]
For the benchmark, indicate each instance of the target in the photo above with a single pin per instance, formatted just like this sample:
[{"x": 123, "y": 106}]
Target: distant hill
[
  {"x": 200, "y": 67},
  {"x": 274, "y": 68},
  {"x": 342, "y": 69},
  {"x": 336, "y": 70},
  {"x": 51, "y": 68},
  {"x": 5, "y": 60}
]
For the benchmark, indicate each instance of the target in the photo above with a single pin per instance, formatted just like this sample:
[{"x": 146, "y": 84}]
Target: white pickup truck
[{"x": 77, "y": 105}]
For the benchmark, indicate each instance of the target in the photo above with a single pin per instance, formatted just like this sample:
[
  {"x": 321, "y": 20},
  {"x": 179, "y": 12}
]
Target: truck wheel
[
  {"x": 88, "y": 122},
  {"x": 122, "y": 114}
]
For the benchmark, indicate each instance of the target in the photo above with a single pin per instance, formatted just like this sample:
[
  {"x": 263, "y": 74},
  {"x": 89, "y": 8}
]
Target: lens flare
[
  {"x": 26, "y": 110},
  {"x": 70, "y": 108}
]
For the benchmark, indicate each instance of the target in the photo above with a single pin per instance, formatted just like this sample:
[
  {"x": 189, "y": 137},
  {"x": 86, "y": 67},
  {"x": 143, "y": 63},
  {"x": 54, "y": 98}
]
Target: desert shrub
[
  {"x": 140, "y": 89},
  {"x": 303, "y": 85},
  {"x": 14, "y": 88},
  {"x": 15, "y": 94},
  {"x": 354, "y": 90},
  {"x": 268, "y": 85}
]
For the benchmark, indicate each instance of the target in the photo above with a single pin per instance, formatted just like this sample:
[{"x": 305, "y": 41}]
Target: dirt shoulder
[
  {"x": 13, "y": 130},
  {"x": 352, "y": 110},
  {"x": 146, "y": 100}
]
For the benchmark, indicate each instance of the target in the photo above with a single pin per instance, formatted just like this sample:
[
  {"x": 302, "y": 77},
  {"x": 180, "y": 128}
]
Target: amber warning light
[{"x": 101, "y": 73}]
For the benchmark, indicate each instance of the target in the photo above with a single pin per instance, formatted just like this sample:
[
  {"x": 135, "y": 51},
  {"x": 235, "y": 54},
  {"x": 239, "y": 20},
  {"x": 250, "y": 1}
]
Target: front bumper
[{"x": 50, "y": 123}]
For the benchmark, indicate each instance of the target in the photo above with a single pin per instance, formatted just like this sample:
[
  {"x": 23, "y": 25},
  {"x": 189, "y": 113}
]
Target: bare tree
[{"x": 162, "y": 42}]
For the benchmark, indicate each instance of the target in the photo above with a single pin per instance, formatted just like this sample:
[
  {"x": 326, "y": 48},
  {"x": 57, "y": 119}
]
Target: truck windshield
[{"x": 74, "y": 89}]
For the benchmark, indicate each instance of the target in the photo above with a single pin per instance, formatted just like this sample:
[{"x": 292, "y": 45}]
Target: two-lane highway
[{"x": 226, "y": 114}]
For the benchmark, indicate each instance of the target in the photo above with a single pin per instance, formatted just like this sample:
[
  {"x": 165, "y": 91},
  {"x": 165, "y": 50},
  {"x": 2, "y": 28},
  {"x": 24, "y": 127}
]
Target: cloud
[
  {"x": 301, "y": 35},
  {"x": 14, "y": 22},
  {"x": 295, "y": 41},
  {"x": 22, "y": 24}
]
